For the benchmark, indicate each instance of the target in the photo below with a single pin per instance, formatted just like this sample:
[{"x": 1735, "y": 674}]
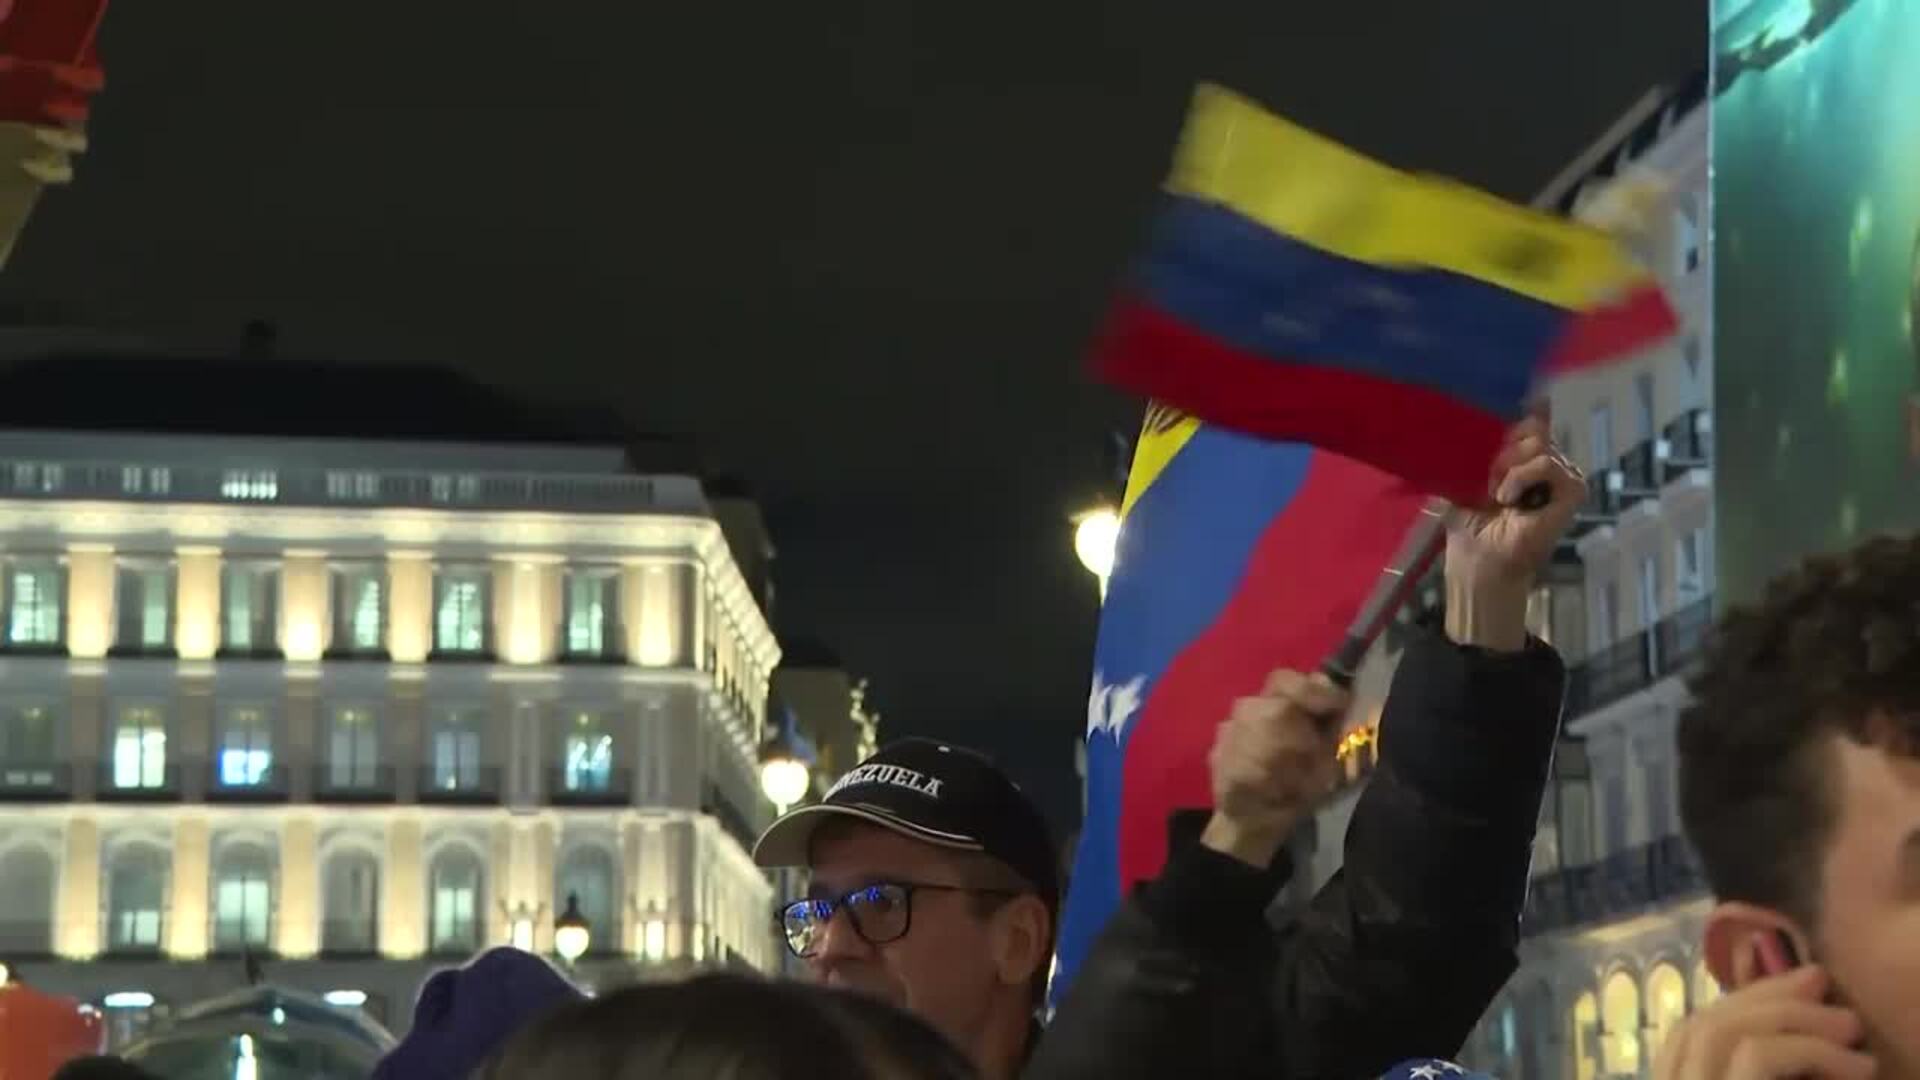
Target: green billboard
[{"x": 1816, "y": 242}]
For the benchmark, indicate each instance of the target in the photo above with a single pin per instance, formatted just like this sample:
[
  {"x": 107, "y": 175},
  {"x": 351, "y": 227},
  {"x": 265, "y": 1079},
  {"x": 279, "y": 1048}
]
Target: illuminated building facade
[
  {"x": 359, "y": 709},
  {"x": 1611, "y": 938}
]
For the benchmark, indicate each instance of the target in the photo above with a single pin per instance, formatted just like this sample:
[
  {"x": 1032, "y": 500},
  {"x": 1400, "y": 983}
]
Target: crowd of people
[{"x": 929, "y": 921}]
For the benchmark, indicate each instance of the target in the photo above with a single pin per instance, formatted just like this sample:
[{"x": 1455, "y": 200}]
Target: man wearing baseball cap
[{"x": 946, "y": 875}]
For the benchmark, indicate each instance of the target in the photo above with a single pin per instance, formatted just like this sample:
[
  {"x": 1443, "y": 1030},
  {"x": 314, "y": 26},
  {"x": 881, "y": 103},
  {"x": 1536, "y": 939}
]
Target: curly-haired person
[{"x": 1800, "y": 791}]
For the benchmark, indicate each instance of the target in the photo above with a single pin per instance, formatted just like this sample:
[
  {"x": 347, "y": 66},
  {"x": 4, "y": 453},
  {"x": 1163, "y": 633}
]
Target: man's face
[
  {"x": 1869, "y": 932},
  {"x": 943, "y": 969}
]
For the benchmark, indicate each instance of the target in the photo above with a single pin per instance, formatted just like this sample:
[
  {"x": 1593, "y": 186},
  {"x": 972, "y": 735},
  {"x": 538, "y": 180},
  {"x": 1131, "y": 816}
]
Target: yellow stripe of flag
[
  {"x": 1309, "y": 188},
  {"x": 1162, "y": 435}
]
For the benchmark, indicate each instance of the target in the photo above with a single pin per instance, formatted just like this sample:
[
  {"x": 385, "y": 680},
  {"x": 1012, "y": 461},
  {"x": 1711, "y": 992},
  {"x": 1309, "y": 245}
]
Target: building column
[
  {"x": 409, "y": 607},
  {"x": 403, "y": 916},
  {"x": 406, "y": 743},
  {"x": 297, "y": 931},
  {"x": 305, "y": 622},
  {"x": 196, "y": 630},
  {"x": 302, "y": 730},
  {"x": 190, "y": 879},
  {"x": 87, "y": 740},
  {"x": 192, "y": 738},
  {"x": 77, "y": 914}
]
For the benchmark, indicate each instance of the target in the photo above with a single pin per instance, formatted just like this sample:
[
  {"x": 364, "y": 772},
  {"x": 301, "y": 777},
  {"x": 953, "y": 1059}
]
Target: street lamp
[
  {"x": 784, "y": 775},
  {"x": 1095, "y": 536},
  {"x": 571, "y": 935}
]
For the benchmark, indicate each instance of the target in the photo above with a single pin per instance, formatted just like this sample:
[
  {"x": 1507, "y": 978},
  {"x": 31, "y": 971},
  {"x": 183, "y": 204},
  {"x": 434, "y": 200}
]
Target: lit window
[
  {"x": 351, "y": 895},
  {"x": 145, "y": 599},
  {"x": 354, "y": 750},
  {"x": 448, "y": 488},
  {"x": 460, "y": 611},
  {"x": 34, "y": 614},
  {"x": 140, "y": 750},
  {"x": 246, "y": 749},
  {"x": 242, "y": 902},
  {"x": 250, "y": 594},
  {"x": 588, "y": 755},
  {"x": 455, "y": 900},
  {"x": 136, "y": 889},
  {"x": 250, "y": 485},
  {"x": 360, "y": 608},
  {"x": 592, "y": 600},
  {"x": 456, "y": 751},
  {"x": 358, "y": 486}
]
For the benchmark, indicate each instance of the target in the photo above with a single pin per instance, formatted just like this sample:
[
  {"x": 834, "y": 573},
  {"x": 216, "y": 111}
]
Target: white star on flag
[
  {"x": 1111, "y": 707},
  {"x": 1426, "y": 1072}
]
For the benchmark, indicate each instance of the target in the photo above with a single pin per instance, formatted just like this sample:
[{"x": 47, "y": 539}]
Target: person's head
[
  {"x": 933, "y": 887},
  {"x": 731, "y": 1026},
  {"x": 464, "y": 1013},
  {"x": 1800, "y": 783}
]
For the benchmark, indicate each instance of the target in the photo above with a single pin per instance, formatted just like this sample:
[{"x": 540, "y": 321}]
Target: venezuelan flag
[
  {"x": 1296, "y": 290},
  {"x": 49, "y": 60},
  {"x": 1236, "y": 556}
]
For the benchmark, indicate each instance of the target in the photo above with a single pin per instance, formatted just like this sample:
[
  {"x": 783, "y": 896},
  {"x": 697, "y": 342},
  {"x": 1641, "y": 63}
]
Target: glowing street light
[
  {"x": 1095, "y": 537},
  {"x": 785, "y": 780},
  {"x": 571, "y": 935},
  {"x": 785, "y": 777}
]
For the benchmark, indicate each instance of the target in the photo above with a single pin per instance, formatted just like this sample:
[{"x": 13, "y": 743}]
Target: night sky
[{"x": 855, "y": 249}]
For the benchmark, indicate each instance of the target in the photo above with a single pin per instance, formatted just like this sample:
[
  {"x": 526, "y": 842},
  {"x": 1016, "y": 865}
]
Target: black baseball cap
[{"x": 936, "y": 793}]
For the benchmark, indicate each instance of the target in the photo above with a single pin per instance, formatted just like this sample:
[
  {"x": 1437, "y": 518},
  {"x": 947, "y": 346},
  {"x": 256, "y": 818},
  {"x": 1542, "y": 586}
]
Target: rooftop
[{"x": 93, "y": 386}]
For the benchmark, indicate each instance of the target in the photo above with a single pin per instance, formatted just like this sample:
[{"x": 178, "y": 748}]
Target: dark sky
[{"x": 856, "y": 247}]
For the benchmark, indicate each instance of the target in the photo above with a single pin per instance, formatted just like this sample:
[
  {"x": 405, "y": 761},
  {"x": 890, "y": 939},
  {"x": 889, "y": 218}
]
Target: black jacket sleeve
[{"x": 1397, "y": 956}]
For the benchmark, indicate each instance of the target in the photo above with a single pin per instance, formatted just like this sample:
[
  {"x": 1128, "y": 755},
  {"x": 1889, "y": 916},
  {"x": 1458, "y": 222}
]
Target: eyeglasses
[{"x": 880, "y": 913}]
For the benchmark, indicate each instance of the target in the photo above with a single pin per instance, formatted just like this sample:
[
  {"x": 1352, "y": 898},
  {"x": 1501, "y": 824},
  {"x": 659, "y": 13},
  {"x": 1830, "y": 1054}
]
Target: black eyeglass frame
[{"x": 844, "y": 902}]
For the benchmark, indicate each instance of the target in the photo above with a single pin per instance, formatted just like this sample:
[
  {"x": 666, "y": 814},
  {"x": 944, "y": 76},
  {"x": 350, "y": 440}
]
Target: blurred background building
[
  {"x": 1611, "y": 936},
  {"x": 355, "y": 699}
]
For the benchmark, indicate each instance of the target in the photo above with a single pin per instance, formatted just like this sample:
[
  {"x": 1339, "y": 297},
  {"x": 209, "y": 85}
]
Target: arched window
[
  {"x": 1706, "y": 988},
  {"x": 1586, "y": 1037},
  {"x": 350, "y": 893},
  {"x": 136, "y": 900},
  {"x": 1666, "y": 1005},
  {"x": 242, "y": 899},
  {"x": 455, "y": 901},
  {"x": 26, "y": 902},
  {"x": 1620, "y": 1017},
  {"x": 587, "y": 875}
]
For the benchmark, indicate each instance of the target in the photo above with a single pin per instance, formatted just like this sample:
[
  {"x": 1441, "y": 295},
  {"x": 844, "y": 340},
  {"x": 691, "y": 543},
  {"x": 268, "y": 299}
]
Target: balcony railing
[
  {"x": 150, "y": 785},
  {"x": 270, "y": 785},
  {"x": 336, "y": 783},
  {"x": 1689, "y": 443},
  {"x": 26, "y": 937},
  {"x": 1637, "y": 662},
  {"x": 465, "y": 787},
  {"x": 1638, "y": 474},
  {"x": 567, "y": 787},
  {"x": 349, "y": 937},
  {"x": 35, "y": 781},
  {"x": 1618, "y": 886},
  {"x": 311, "y": 486}
]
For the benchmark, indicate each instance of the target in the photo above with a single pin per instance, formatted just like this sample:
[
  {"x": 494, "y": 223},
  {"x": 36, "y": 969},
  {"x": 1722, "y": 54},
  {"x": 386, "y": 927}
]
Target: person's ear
[
  {"x": 1021, "y": 939},
  {"x": 1743, "y": 943}
]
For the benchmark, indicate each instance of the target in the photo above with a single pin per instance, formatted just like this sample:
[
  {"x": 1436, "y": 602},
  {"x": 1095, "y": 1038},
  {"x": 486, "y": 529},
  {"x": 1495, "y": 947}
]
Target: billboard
[{"x": 1816, "y": 244}]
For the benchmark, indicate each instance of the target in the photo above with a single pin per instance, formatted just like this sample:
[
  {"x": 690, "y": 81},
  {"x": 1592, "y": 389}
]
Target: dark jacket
[{"x": 1399, "y": 953}]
